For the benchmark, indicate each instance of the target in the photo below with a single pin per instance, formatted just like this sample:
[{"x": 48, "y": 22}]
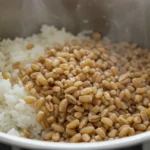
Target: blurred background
[{"x": 119, "y": 20}]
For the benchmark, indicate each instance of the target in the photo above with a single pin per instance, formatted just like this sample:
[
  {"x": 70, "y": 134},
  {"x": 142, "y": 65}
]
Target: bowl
[{"x": 118, "y": 20}]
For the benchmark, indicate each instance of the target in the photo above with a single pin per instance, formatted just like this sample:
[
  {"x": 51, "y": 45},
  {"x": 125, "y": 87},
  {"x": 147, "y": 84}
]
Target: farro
[{"x": 85, "y": 92}]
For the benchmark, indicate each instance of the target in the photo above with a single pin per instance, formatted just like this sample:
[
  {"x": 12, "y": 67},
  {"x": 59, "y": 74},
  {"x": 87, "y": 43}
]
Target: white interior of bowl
[{"x": 113, "y": 144}]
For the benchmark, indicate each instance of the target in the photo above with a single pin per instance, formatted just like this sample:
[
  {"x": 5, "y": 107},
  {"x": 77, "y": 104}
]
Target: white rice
[{"x": 15, "y": 114}]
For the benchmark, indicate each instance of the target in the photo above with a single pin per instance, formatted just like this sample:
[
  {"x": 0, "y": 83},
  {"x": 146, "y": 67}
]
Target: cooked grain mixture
[{"x": 85, "y": 90}]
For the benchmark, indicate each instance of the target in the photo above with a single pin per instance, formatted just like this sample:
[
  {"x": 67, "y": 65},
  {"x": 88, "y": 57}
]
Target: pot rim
[{"x": 36, "y": 144}]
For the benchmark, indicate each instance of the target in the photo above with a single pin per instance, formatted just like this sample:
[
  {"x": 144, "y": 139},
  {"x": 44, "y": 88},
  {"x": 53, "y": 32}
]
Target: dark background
[{"x": 6, "y": 147}]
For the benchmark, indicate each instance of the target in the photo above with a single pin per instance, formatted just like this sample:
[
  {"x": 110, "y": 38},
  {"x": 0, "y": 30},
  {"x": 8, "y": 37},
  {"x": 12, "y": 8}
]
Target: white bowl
[
  {"x": 42, "y": 145},
  {"x": 119, "y": 20}
]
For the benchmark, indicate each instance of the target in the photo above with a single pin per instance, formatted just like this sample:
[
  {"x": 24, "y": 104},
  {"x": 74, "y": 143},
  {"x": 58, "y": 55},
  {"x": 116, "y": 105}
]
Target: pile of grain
[
  {"x": 84, "y": 91},
  {"x": 80, "y": 89}
]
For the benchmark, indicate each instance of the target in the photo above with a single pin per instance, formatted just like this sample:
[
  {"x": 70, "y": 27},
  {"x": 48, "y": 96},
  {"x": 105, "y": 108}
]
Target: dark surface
[
  {"x": 138, "y": 147},
  {"x": 6, "y": 147}
]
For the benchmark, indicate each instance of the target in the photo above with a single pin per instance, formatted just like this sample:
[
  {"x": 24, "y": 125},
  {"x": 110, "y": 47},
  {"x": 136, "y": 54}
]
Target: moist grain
[{"x": 90, "y": 90}]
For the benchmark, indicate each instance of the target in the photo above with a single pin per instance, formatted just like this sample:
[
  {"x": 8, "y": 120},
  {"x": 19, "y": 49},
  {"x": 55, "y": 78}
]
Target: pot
[{"x": 118, "y": 20}]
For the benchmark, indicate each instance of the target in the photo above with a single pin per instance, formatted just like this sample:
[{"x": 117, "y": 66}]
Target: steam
[{"x": 38, "y": 12}]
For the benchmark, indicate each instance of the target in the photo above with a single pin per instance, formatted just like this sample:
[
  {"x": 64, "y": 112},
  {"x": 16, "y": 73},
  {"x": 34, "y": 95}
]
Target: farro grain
[
  {"x": 123, "y": 132},
  {"x": 99, "y": 94},
  {"x": 138, "y": 98},
  {"x": 71, "y": 90},
  {"x": 51, "y": 119},
  {"x": 144, "y": 116},
  {"x": 35, "y": 67},
  {"x": 56, "y": 137},
  {"x": 57, "y": 127},
  {"x": 56, "y": 111},
  {"x": 140, "y": 90},
  {"x": 63, "y": 105},
  {"x": 114, "y": 70},
  {"x": 98, "y": 138},
  {"x": 64, "y": 66},
  {"x": 87, "y": 130},
  {"x": 78, "y": 115},
  {"x": 71, "y": 98},
  {"x": 29, "y": 99},
  {"x": 78, "y": 83},
  {"x": 6, "y": 75},
  {"x": 113, "y": 85},
  {"x": 70, "y": 118},
  {"x": 86, "y": 91},
  {"x": 136, "y": 82},
  {"x": 83, "y": 123},
  {"x": 112, "y": 133},
  {"x": 86, "y": 137},
  {"x": 104, "y": 113},
  {"x": 123, "y": 77},
  {"x": 106, "y": 84},
  {"x": 131, "y": 131},
  {"x": 77, "y": 54},
  {"x": 124, "y": 106},
  {"x": 113, "y": 117},
  {"x": 73, "y": 124},
  {"x": 94, "y": 90},
  {"x": 55, "y": 100},
  {"x": 130, "y": 119},
  {"x": 70, "y": 132},
  {"x": 25, "y": 79},
  {"x": 40, "y": 116},
  {"x": 113, "y": 92},
  {"x": 76, "y": 138},
  {"x": 139, "y": 127},
  {"x": 94, "y": 118},
  {"x": 97, "y": 77},
  {"x": 85, "y": 99},
  {"x": 78, "y": 108},
  {"x": 118, "y": 102},
  {"x": 127, "y": 94},
  {"x": 107, "y": 95},
  {"x": 56, "y": 89},
  {"x": 49, "y": 106},
  {"x": 42, "y": 80},
  {"x": 111, "y": 108},
  {"x": 146, "y": 102},
  {"x": 107, "y": 121},
  {"x": 48, "y": 135},
  {"x": 122, "y": 121},
  {"x": 95, "y": 109},
  {"x": 100, "y": 132}
]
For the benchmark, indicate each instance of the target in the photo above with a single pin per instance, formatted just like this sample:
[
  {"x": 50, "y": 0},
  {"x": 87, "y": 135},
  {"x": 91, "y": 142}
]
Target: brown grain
[{"x": 88, "y": 90}]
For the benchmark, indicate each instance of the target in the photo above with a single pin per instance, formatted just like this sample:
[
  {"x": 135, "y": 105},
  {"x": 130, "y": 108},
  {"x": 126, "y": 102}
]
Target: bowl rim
[{"x": 36, "y": 144}]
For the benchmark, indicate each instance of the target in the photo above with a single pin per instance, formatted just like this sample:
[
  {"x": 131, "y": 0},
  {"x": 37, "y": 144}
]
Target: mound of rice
[{"x": 15, "y": 114}]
